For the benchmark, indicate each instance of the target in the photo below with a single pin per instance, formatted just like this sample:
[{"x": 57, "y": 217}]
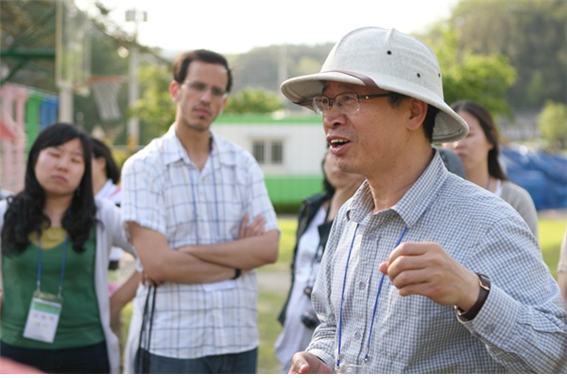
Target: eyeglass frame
[
  {"x": 332, "y": 100},
  {"x": 200, "y": 87}
]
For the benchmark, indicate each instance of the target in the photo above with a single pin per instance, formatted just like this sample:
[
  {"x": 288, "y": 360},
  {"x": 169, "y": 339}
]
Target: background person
[
  {"x": 106, "y": 186},
  {"x": 56, "y": 241},
  {"x": 452, "y": 162},
  {"x": 315, "y": 219},
  {"x": 106, "y": 178},
  {"x": 461, "y": 286},
  {"x": 479, "y": 152},
  {"x": 198, "y": 213},
  {"x": 106, "y": 174}
]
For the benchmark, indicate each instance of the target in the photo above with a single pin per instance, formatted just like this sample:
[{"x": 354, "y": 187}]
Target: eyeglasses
[
  {"x": 347, "y": 103},
  {"x": 200, "y": 87}
]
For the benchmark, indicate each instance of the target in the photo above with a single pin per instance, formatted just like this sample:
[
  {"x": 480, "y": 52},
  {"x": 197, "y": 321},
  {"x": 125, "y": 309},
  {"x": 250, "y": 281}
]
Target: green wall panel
[
  {"x": 32, "y": 118},
  {"x": 292, "y": 189}
]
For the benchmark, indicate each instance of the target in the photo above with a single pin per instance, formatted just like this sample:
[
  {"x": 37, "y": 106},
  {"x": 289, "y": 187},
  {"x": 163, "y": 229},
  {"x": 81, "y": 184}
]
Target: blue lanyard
[
  {"x": 194, "y": 198},
  {"x": 39, "y": 262},
  {"x": 375, "y": 300}
]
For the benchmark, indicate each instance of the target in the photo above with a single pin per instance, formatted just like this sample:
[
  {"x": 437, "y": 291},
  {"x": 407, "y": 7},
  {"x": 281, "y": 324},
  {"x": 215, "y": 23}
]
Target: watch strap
[
  {"x": 237, "y": 273},
  {"x": 484, "y": 284}
]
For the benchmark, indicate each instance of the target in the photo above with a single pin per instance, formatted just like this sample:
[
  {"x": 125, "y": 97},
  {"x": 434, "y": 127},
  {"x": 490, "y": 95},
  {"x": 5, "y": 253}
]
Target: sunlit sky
[{"x": 232, "y": 26}]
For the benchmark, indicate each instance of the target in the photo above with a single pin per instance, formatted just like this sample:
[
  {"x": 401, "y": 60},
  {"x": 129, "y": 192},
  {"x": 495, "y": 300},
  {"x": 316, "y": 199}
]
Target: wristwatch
[
  {"x": 237, "y": 273},
  {"x": 484, "y": 283}
]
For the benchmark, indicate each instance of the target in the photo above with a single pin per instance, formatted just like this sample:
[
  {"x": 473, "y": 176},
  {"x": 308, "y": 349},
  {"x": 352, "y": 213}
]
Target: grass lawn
[
  {"x": 271, "y": 300},
  {"x": 550, "y": 235}
]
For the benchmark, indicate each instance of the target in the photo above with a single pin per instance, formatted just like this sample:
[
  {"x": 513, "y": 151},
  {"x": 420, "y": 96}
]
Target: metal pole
[
  {"x": 65, "y": 90},
  {"x": 66, "y": 104},
  {"x": 133, "y": 86},
  {"x": 133, "y": 94}
]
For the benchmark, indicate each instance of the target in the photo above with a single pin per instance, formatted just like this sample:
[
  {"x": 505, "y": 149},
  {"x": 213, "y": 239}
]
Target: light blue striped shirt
[
  {"x": 164, "y": 191},
  {"x": 522, "y": 327}
]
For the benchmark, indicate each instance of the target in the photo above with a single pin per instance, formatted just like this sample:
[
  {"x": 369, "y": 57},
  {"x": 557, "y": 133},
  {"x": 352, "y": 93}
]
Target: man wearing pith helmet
[{"x": 424, "y": 272}]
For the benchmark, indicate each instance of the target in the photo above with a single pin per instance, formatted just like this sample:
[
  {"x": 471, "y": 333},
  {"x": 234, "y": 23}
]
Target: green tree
[
  {"x": 155, "y": 109},
  {"x": 28, "y": 42},
  {"x": 471, "y": 76},
  {"x": 530, "y": 33},
  {"x": 552, "y": 122},
  {"x": 254, "y": 100}
]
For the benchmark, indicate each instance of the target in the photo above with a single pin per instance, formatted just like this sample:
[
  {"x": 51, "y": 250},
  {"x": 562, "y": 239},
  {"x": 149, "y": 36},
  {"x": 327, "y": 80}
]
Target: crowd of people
[{"x": 418, "y": 256}]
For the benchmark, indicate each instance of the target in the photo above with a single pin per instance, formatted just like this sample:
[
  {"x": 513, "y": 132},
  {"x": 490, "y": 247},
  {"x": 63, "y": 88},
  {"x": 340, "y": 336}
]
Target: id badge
[
  {"x": 346, "y": 367},
  {"x": 43, "y": 318}
]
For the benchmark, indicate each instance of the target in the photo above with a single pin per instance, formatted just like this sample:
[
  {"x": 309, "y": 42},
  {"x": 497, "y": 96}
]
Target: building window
[
  {"x": 277, "y": 152},
  {"x": 268, "y": 152},
  {"x": 258, "y": 149}
]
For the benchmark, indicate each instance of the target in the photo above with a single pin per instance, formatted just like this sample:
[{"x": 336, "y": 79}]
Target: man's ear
[
  {"x": 417, "y": 113},
  {"x": 224, "y": 102},
  {"x": 175, "y": 91}
]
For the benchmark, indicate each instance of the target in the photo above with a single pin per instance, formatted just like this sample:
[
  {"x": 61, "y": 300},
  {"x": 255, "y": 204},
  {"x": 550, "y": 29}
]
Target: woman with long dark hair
[
  {"x": 479, "y": 151},
  {"x": 55, "y": 244}
]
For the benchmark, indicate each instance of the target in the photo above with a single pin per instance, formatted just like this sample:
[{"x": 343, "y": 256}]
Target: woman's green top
[{"x": 79, "y": 324}]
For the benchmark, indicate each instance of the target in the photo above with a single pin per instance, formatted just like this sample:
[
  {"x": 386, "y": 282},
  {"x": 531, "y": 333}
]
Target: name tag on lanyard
[{"x": 43, "y": 317}]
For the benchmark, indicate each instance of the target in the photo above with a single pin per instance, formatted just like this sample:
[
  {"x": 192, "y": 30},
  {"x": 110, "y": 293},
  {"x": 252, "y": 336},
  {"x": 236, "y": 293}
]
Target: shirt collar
[
  {"x": 412, "y": 205},
  {"x": 176, "y": 152}
]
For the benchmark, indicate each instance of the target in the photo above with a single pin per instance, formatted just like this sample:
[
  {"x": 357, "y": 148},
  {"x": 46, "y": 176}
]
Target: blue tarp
[{"x": 543, "y": 175}]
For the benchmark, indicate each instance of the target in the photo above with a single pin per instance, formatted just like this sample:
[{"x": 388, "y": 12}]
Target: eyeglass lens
[
  {"x": 200, "y": 87},
  {"x": 346, "y": 102}
]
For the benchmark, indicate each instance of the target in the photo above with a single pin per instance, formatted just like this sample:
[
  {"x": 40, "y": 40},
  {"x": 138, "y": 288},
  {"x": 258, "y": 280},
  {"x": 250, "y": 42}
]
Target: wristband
[
  {"x": 237, "y": 272},
  {"x": 484, "y": 283}
]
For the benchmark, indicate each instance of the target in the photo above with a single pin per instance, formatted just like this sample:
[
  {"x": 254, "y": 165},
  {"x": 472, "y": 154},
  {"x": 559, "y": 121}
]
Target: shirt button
[
  {"x": 357, "y": 335},
  {"x": 362, "y": 285}
]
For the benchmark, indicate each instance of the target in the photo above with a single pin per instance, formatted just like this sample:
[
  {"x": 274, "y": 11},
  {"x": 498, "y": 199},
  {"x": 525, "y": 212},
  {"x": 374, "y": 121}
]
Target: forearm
[
  {"x": 125, "y": 293},
  {"x": 161, "y": 263},
  {"x": 247, "y": 253},
  {"x": 323, "y": 344},
  {"x": 518, "y": 345},
  {"x": 186, "y": 268}
]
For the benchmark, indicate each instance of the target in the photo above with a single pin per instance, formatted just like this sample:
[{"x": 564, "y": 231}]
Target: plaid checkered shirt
[
  {"x": 191, "y": 321},
  {"x": 520, "y": 329}
]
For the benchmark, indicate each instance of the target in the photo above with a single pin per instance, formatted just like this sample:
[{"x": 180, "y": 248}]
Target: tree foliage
[
  {"x": 505, "y": 54},
  {"x": 552, "y": 124},
  {"x": 268, "y": 67},
  {"x": 531, "y": 34},
  {"x": 471, "y": 76},
  {"x": 254, "y": 100},
  {"x": 27, "y": 27},
  {"x": 155, "y": 109}
]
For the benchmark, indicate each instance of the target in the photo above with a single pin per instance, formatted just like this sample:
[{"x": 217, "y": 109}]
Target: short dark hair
[
  {"x": 25, "y": 210},
  {"x": 101, "y": 150},
  {"x": 486, "y": 122},
  {"x": 182, "y": 62}
]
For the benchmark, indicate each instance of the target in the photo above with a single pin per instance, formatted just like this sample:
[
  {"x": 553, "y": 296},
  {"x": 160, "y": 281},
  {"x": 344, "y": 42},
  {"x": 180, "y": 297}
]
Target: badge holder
[
  {"x": 343, "y": 366},
  {"x": 350, "y": 369},
  {"x": 43, "y": 317},
  {"x": 45, "y": 308}
]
